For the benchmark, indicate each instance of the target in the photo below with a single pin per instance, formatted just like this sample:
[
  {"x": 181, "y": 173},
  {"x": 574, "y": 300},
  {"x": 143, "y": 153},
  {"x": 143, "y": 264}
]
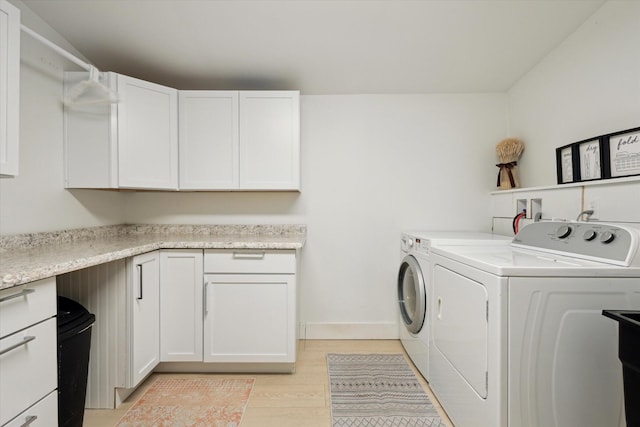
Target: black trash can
[
  {"x": 629, "y": 354},
  {"x": 74, "y": 343}
]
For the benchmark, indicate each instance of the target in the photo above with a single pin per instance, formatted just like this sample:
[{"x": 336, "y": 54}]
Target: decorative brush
[{"x": 509, "y": 151}]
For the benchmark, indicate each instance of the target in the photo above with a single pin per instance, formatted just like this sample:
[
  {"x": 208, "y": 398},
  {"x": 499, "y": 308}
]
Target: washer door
[{"x": 411, "y": 294}]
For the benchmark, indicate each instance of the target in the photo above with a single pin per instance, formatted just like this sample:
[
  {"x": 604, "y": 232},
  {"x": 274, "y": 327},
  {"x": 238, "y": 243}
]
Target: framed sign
[
  {"x": 622, "y": 153},
  {"x": 567, "y": 164},
  {"x": 590, "y": 159}
]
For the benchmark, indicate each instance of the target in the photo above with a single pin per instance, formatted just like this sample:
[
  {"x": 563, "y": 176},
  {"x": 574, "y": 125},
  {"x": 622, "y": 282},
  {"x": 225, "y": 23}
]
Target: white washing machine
[
  {"x": 414, "y": 279},
  {"x": 518, "y": 337}
]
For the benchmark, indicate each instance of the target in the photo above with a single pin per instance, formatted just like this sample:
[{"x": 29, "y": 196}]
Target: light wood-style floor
[{"x": 301, "y": 399}]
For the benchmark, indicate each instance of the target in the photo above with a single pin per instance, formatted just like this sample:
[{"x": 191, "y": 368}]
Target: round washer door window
[{"x": 411, "y": 294}]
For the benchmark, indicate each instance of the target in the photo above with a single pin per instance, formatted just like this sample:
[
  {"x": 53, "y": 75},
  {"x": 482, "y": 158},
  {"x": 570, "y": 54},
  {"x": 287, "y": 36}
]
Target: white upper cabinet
[
  {"x": 131, "y": 144},
  {"x": 270, "y": 140},
  {"x": 9, "y": 88},
  {"x": 162, "y": 139},
  {"x": 208, "y": 140},
  {"x": 147, "y": 135},
  {"x": 239, "y": 140}
]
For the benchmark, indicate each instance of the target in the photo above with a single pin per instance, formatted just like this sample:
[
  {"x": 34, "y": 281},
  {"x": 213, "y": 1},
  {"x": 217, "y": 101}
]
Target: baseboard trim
[{"x": 349, "y": 331}]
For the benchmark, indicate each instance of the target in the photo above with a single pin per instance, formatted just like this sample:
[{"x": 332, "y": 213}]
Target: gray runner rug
[{"x": 377, "y": 390}]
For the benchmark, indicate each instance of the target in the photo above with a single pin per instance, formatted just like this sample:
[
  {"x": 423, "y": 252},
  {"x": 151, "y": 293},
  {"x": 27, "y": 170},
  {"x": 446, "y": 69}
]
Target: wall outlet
[{"x": 523, "y": 204}]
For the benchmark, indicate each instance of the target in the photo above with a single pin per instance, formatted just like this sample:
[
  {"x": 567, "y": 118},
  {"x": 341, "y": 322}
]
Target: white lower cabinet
[
  {"x": 242, "y": 311},
  {"x": 249, "y": 318},
  {"x": 181, "y": 305},
  {"x": 144, "y": 301},
  {"x": 250, "y": 306},
  {"x": 28, "y": 349},
  {"x": 150, "y": 315},
  {"x": 39, "y": 415}
]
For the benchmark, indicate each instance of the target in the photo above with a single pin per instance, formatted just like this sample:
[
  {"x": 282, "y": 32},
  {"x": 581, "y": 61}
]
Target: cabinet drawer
[
  {"x": 249, "y": 261},
  {"x": 25, "y": 305},
  {"x": 41, "y": 414},
  {"x": 29, "y": 370}
]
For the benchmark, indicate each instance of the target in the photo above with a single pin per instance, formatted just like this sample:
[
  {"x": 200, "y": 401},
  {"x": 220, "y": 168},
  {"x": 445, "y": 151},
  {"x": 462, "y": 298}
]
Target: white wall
[
  {"x": 36, "y": 200},
  {"x": 371, "y": 167},
  {"x": 588, "y": 86}
]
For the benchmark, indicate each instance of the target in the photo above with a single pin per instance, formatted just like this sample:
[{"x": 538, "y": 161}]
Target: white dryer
[
  {"x": 414, "y": 285},
  {"x": 518, "y": 337}
]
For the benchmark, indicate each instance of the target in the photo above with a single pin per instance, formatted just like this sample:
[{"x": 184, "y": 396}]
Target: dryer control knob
[
  {"x": 563, "y": 231},
  {"x": 589, "y": 235},
  {"x": 410, "y": 243},
  {"x": 607, "y": 237}
]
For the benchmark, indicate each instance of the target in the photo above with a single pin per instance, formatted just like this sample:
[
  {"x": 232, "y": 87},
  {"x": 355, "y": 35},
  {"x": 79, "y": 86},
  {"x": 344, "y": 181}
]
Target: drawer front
[
  {"x": 24, "y": 305},
  {"x": 42, "y": 414},
  {"x": 28, "y": 368},
  {"x": 250, "y": 261}
]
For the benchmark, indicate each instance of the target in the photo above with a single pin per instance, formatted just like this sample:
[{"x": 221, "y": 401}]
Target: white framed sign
[
  {"x": 590, "y": 159},
  {"x": 623, "y": 153}
]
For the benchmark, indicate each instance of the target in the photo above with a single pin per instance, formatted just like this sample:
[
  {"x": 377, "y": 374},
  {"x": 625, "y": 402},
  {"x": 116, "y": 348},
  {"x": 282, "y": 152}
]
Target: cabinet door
[
  {"x": 144, "y": 342},
  {"x": 270, "y": 140},
  {"x": 181, "y": 305},
  {"x": 90, "y": 137},
  {"x": 249, "y": 318},
  {"x": 9, "y": 87},
  {"x": 147, "y": 135},
  {"x": 208, "y": 124}
]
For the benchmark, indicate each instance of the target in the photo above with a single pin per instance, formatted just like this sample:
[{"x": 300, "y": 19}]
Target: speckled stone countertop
[{"x": 25, "y": 258}]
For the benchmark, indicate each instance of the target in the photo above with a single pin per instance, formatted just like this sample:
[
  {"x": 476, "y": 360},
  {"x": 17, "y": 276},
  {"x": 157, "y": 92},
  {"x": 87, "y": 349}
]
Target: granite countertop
[{"x": 28, "y": 257}]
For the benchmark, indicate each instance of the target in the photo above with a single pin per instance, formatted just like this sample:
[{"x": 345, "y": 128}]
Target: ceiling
[{"x": 318, "y": 46}]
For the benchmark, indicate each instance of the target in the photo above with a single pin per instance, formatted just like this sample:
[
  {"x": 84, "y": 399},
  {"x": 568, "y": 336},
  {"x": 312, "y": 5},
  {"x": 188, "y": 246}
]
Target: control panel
[
  {"x": 598, "y": 241},
  {"x": 412, "y": 243}
]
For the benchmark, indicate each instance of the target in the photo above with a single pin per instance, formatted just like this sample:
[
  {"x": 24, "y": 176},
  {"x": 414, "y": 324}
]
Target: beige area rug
[
  {"x": 377, "y": 390},
  {"x": 190, "y": 402}
]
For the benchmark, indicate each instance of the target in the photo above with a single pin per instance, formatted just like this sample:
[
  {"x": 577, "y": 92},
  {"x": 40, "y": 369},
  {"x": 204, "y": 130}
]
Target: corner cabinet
[
  {"x": 143, "y": 298},
  {"x": 9, "y": 88},
  {"x": 132, "y": 144},
  {"x": 247, "y": 140},
  {"x": 159, "y": 138}
]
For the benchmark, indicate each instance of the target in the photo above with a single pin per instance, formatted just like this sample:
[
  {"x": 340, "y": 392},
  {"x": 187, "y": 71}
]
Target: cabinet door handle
[
  {"x": 248, "y": 255},
  {"x": 204, "y": 296},
  {"x": 139, "y": 281},
  {"x": 25, "y": 340},
  {"x": 29, "y": 419},
  {"x": 18, "y": 295}
]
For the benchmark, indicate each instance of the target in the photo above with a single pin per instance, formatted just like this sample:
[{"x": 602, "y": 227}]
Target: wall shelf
[{"x": 573, "y": 184}]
